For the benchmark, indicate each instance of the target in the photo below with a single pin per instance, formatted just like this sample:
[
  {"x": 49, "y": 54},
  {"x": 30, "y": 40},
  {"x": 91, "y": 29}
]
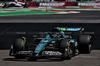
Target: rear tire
[
  {"x": 85, "y": 44},
  {"x": 26, "y": 5}
]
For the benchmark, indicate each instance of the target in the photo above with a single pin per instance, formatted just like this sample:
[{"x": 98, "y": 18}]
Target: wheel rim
[
  {"x": 68, "y": 52},
  {"x": 89, "y": 48}
]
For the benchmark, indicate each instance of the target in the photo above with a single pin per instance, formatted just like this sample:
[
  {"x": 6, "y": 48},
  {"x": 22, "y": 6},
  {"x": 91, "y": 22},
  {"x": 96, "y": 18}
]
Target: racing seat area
[{"x": 55, "y": 35}]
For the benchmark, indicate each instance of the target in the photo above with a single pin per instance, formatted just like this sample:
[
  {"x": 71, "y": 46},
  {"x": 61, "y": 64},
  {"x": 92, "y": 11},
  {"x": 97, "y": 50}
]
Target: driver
[{"x": 55, "y": 35}]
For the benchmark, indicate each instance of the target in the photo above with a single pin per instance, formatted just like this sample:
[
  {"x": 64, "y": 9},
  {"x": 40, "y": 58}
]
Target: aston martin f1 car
[
  {"x": 57, "y": 43},
  {"x": 16, "y": 4}
]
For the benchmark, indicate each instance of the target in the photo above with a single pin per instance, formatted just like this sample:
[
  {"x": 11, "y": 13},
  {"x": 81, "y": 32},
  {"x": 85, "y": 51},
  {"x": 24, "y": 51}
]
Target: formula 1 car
[
  {"x": 16, "y": 4},
  {"x": 57, "y": 43}
]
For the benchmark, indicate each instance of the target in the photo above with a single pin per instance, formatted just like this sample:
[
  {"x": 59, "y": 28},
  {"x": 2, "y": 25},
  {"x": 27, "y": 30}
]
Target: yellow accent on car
[
  {"x": 51, "y": 45},
  {"x": 43, "y": 48},
  {"x": 24, "y": 40}
]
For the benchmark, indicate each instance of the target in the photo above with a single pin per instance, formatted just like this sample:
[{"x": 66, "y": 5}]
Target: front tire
[
  {"x": 5, "y": 5},
  {"x": 65, "y": 49},
  {"x": 19, "y": 45}
]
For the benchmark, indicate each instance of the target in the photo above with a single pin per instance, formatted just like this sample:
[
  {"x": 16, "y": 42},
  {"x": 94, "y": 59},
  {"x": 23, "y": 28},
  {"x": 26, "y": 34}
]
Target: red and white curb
[
  {"x": 73, "y": 12},
  {"x": 69, "y": 12}
]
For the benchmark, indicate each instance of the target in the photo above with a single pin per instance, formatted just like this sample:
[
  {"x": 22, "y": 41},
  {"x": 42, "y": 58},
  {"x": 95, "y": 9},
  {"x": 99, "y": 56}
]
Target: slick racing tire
[
  {"x": 65, "y": 49},
  {"x": 19, "y": 44},
  {"x": 12, "y": 51},
  {"x": 5, "y": 5},
  {"x": 85, "y": 44},
  {"x": 26, "y": 5}
]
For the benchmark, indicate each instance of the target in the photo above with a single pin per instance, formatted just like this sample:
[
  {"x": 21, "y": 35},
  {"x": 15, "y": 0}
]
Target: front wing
[{"x": 43, "y": 54}]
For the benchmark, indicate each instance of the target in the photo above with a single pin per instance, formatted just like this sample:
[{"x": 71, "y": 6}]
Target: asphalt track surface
[
  {"x": 92, "y": 59},
  {"x": 82, "y": 17}
]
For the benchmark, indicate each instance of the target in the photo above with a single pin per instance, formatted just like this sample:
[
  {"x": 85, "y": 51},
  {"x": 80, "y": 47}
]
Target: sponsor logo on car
[
  {"x": 51, "y": 53},
  {"x": 44, "y": 40}
]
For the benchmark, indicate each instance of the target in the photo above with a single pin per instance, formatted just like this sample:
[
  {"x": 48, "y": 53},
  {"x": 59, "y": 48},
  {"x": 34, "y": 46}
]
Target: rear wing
[{"x": 68, "y": 29}]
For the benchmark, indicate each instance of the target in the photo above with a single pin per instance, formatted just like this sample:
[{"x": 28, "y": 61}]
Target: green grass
[{"x": 21, "y": 11}]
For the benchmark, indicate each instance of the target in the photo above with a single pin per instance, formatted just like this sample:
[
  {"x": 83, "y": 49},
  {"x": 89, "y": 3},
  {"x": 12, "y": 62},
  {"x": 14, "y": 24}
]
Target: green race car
[{"x": 57, "y": 43}]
